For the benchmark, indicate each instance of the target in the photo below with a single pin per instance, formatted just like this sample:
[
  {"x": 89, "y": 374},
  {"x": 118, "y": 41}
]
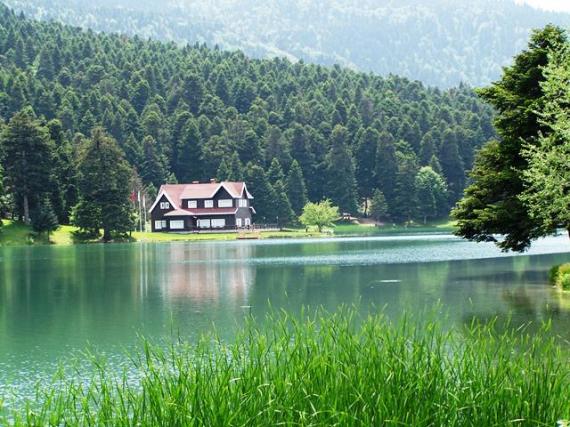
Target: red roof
[
  {"x": 198, "y": 212},
  {"x": 175, "y": 193}
]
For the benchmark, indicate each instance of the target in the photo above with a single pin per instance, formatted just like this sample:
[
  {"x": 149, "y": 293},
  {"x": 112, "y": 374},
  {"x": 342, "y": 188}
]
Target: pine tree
[
  {"x": 153, "y": 169},
  {"x": 378, "y": 206},
  {"x": 104, "y": 185},
  {"x": 284, "y": 212},
  {"x": 44, "y": 219},
  {"x": 452, "y": 166},
  {"x": 366, "y": 162},
  {"x": 404, "y": 207},
  {"x": 386, "y": 168},
  {"x": 340, "y": 172},
  {"x": 275, "y": 173},
  {"x": 188, "y": 154},
  {"x": 265, "y": 195},
  {"x": 296, "y": 189},
  {"x": 27, "y": 161}
]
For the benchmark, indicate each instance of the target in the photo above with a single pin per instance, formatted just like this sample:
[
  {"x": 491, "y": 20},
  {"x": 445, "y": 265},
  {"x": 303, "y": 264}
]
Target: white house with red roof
[{"x": 202, "y": 206}]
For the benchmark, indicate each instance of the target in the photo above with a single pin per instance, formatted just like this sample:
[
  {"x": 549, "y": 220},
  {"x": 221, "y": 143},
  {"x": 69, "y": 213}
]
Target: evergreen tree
[
  {"x": 386, "y": 167},
  {"x": 404, "y": 208},
  {"x": 27, "y": 161},
  {"x": 44, "y": 219},
  {"x": 378, "y": 206},
  {"x": 104, "y": 186},
  {"x": 188, "y": 154},
  {"x": 492, "y": 203},
  {"x": 275, "y": 173},
  {"x": 296, "y": 189},
  {"x": 265, "y": 195},
  {"x": 452, "y": 165},
  {"x": 340, "y": 172},
  {"x": 365, "y": 162},
  {"x": 153, "y": 169},
  {"x": 284, "y": 212}
]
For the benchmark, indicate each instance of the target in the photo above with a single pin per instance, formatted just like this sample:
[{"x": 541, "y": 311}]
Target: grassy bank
[
  {"x": 325, "y": 370},
  {"x": 444, "y": 226},
  {"x": 16, "y": 234}
]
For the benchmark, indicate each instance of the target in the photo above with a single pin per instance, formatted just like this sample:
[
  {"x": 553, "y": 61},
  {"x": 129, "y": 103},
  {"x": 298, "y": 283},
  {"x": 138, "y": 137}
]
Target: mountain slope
[{"x": 440, "y": 42}]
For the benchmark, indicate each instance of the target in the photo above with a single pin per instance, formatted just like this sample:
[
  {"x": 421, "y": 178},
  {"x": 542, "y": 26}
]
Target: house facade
[{"x": 202, "y": 206}]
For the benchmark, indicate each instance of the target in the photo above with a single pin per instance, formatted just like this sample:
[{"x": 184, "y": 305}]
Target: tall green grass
[{"x": 327, "y": 369}]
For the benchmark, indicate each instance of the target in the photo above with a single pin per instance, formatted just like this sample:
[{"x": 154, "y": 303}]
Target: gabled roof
[
  {"x": 175, "y": 193},
  {"x": 200, "y": 212}
]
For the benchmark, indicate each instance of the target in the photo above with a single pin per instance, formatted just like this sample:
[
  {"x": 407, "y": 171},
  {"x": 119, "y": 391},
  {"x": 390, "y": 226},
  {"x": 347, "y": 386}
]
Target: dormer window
[
  {"x": 243, "y": 203},
  {"x": 164, "y": 205},
  {"x": 208, "y": 204},
  {"x": 192, "y": 204}
]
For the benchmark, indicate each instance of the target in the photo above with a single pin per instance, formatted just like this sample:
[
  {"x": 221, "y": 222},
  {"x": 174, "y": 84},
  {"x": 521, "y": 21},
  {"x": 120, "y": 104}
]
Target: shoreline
[{"x": 17, "y": 234}]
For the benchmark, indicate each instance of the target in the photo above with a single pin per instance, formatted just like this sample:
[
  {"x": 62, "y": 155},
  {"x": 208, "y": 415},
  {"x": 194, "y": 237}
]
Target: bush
[
  {"x": 559, "y": 276},
  {"x": 553, "y": 275},
  {"x": 565, "y": 282}
]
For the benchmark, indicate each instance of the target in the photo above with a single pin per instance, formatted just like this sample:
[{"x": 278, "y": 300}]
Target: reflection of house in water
[{"x": 208, "y": 273}]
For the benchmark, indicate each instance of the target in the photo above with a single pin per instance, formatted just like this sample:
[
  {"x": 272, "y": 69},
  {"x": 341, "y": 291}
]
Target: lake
[{"x": 55, "y": 301}]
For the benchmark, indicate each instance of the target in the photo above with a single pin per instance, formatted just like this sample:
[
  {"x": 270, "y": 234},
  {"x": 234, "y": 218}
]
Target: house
[{"x": 202, "y": 206}]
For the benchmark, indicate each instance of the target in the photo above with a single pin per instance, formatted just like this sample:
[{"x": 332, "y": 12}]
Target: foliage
[
  {"x": 187, "y": 113},
  {"x": 104, "y": 187},
  {"x": 431, "y": 193},
  {"x": 440, "y": 42},
  {"x": 492, "y": 203},
  {"x": 378, "y": 206},
  {"x": 547, "y": 195},
  {"x": 44, "y": 219},
  {"x": 320, "y": 215},
  {"x": 27, "y": 159},
  {"x": 559, "y": 276},
  {"x": 285, "y": 371}
]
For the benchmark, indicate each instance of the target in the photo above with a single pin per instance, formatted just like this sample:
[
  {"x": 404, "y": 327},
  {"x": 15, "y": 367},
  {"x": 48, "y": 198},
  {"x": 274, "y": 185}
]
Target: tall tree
[
  {"x": 104, "y": 178},
  {"x": 366, "y": 161},
  {"x": 27, "y": 161},
  {"x": 265, "y": 195},
  {"x": 340, "y": 172},
  {"x": 386, "y": 169},
  {"x": 492, "y": 204},
  {"x": 296, "y": 189},
  {"x": 431, "y": 194},
  {"x": 404, "y": 206}
]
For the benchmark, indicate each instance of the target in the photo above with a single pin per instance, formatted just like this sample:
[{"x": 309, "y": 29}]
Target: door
[{"x": 238, "y": 222}]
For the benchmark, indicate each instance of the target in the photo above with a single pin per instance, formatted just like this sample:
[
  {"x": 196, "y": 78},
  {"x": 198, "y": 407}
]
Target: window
[
  {"x": 247, "y": 222},
  {"x": 164, "y": 205},
  {"x": 208, "y": 203},
  {"x": 204, "y": 223},
  {"x": 159, "y": 225},
  {"x": 218, "y": 223},
  {"x": 238, "y": 222},
  {"x": 192, "y": 204},
  {"x": 243, "y": 203},
  {"x": 225, "y": 203},
  {"x": 177, "y": 224}
]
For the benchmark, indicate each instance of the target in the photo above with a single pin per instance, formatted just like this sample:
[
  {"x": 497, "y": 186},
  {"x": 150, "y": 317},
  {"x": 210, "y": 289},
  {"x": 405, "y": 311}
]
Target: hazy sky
[{"x": 561, "y": 5}]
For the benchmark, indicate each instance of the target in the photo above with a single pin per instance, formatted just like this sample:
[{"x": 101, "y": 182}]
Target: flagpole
[
  {"x": 144, "y": 210},
  {"x": 140, "y": 212}
]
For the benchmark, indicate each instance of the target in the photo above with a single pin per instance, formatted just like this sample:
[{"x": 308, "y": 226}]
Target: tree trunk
[
  {"x": 106, "y": 235},
  {"x": 26, "y": 209}
]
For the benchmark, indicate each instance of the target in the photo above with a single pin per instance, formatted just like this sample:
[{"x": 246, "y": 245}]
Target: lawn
[
  {"x": 15, "y": 233},
  {"x": 442, "y": 226}
]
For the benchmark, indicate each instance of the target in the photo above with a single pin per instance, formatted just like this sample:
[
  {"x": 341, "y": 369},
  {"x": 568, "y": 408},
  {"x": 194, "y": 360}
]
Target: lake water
[{"x": 55, "y": 301}]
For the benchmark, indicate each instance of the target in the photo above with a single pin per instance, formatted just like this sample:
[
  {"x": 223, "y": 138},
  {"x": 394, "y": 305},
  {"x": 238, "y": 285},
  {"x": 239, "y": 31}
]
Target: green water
[{"x": 55, "y": 301}]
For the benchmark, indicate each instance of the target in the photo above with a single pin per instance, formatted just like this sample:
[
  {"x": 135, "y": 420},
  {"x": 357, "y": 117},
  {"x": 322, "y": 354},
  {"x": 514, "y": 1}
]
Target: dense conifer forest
[
  {"x": 293, "y": 131},
  {"x": 440, "y": 42}
]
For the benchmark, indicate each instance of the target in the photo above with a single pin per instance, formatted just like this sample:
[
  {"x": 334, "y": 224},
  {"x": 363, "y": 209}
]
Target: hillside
[
  {"x": 440, "y": 42},
  {"x": 195, "y": 113}
]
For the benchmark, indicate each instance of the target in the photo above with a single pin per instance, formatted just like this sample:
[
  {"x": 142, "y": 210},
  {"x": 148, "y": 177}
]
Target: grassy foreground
[{"x": 328, "y": 369}]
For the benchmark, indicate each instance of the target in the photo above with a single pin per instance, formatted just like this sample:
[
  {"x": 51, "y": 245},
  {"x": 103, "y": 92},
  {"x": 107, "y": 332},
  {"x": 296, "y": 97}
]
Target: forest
[
  {"x": 439, "y": 42},
  {"x": 294, "y": 131}
]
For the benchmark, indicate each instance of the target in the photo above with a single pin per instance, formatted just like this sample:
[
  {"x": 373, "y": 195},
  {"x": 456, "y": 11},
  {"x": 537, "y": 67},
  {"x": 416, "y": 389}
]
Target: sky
[{"x": 556, "y": 5}]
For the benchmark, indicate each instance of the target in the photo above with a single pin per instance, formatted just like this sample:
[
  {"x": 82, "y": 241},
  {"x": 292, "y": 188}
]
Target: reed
[{"x": 324, "y": 369}]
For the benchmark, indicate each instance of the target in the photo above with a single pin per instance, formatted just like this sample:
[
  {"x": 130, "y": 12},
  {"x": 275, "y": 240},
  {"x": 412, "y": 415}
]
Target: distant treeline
[{"x": 294, "y": 132}]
